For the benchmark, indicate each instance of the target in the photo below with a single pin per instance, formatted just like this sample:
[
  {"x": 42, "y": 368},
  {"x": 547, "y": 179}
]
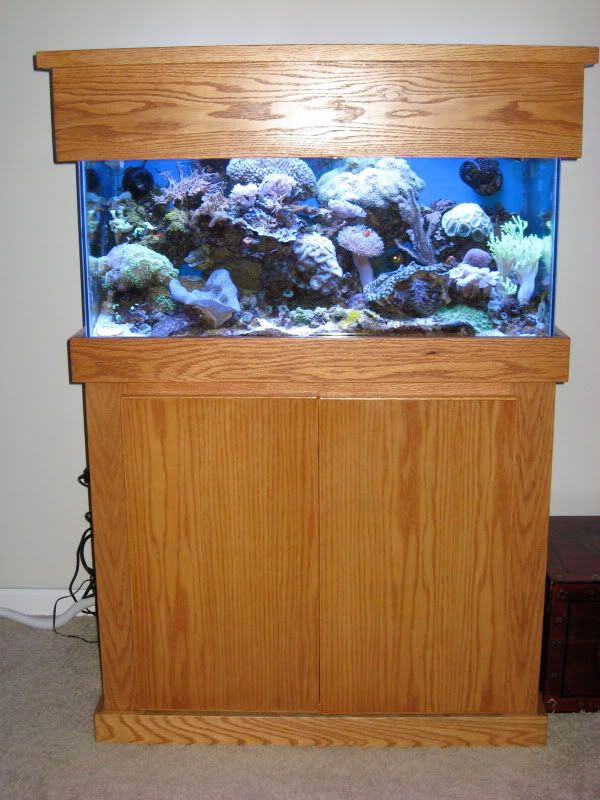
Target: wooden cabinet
[
  {"x": 318, "y": 551},
  {"x": 223, "y": 547},
  {"x": 334, "y": 541}
]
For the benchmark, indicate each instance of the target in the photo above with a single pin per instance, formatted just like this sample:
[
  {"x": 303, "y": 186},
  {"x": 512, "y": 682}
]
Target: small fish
[{"x": 483, "y": 175}]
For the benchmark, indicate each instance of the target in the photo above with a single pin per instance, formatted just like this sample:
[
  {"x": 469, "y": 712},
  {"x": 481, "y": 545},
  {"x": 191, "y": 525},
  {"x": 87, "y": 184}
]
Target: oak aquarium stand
[{"x": 319, "y": 542}]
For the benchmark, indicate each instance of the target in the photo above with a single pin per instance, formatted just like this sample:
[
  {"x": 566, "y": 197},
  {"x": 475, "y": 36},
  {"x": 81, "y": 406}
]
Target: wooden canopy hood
[{"x": 317, "y": 100}]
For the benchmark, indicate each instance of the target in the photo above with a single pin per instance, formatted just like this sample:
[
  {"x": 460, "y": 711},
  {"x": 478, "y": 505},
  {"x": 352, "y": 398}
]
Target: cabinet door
[
  {"x": 418, "y": 545},
  {"x": 223, "y": 550}
]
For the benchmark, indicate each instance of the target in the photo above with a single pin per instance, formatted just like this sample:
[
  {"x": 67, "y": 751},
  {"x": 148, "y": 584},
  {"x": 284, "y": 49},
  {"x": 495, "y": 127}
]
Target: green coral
[
  {"x": 165, "y": 304},
  {"x": 176, "y": 220},
  {"x": 473, "y": 316},
  {"x": 517, "y": 255},
  {"x": 133, "y": 267},
  {"x": 302, "y": 316}
]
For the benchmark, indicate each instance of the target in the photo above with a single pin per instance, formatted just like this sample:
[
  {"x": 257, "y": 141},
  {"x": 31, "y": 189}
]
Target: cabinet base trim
[{"x": 303, "y": 730}]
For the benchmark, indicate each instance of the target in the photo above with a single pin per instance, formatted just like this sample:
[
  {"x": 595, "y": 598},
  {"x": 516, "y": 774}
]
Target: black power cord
[{"x": 81, "y": 563}]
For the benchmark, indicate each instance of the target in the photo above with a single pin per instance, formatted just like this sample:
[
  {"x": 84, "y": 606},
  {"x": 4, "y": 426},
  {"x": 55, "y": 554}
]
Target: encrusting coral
[
  {"x": 317, "y": 263},
  {"x": 133, "y": 267},
  {"x": 479, "y": 320},
  {"x": 254, "y": 170},
  {"x": 344, "y": 209},
  {"x": 364, "y": 243},
  {"x": 375, "y": 185},
  {"x": 412, "y": 290}
]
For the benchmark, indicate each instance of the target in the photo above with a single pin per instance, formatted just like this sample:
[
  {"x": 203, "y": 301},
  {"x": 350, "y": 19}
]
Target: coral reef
[
  {"x": 254, "y": 170},
  {"x": 467, "y": 220},
  {"x": 386, "y": 182},
  {"x": 133, "y": 267},
  {"x": 364, "y": 243},
  {"x": 412, "y": 290},
  {"x": 259, "y": 247},
  {"x": 215, "y": 304}
]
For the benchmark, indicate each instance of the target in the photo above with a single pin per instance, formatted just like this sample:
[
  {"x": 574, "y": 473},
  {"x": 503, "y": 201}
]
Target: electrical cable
[
  {"x": 83, "y": 604},
  {"x": 48, "y": 623}
]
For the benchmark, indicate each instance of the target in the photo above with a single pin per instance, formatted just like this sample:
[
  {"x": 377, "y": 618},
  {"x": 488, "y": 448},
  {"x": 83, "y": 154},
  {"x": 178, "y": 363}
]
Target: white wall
[{"x": 42, "y": 443}]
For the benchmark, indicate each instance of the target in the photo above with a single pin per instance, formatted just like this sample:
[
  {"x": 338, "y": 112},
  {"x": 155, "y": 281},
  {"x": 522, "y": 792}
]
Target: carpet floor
[{"x": 49, "y": 686}]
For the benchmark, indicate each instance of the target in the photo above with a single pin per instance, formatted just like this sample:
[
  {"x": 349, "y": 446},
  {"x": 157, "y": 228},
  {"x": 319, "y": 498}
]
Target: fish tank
[{"x": 291, "y": 247}]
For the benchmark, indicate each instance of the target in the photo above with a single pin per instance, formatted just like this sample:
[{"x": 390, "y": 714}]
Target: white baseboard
[{"x": 34, "y": 601}]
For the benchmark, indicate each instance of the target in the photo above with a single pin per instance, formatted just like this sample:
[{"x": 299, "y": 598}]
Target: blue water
[{"x": 272, "y": 281}]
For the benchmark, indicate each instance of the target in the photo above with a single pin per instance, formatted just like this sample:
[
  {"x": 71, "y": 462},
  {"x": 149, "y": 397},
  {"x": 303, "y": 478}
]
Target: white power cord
[{"x": 47, "y": 623}]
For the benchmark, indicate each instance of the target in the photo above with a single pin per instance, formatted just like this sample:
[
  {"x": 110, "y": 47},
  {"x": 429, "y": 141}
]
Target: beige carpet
[{"x": 49, "y": 687}]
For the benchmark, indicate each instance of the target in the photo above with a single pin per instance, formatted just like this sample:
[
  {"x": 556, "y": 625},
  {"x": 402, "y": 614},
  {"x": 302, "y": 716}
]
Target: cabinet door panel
[
  {"x": 416, "y": 500},
  {"x": 222, "y": 504}
]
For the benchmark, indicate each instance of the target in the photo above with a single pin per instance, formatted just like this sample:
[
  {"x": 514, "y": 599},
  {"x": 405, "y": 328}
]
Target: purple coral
[
  {"x": 364, "y": 243},
  {"x": 183, "y": 190},
  {"x": 215, "y": 304}
]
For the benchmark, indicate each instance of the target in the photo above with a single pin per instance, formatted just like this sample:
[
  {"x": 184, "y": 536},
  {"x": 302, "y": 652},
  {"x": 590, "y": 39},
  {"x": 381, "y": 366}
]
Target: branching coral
[
  {"x": 422, "y": 249},
  {"x": 517, "y": 255},
  {"x": 182, "y": 191}
]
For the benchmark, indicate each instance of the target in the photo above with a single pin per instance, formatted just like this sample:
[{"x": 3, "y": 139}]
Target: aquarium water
[{"x": 290, "y": 247}]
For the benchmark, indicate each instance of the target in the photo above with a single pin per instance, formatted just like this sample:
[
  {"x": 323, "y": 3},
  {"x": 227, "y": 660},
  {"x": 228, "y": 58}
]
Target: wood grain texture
[
  {"x": 340, "y": 389},
  {"x": 319, "y": 363},
  {"x": 111, "y": 556},
  {"x": 529, "y": 542},
  {"x": 324, "y": 731},
  {"x": 338, "y": 53},
  {"x": 314, "y": 109},
  {"x": 223, "y": 538},
  {"x": 415, "y": 525}
]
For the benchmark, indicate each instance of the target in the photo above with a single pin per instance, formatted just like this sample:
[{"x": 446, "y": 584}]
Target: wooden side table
[{"x": 571, "y": 659}]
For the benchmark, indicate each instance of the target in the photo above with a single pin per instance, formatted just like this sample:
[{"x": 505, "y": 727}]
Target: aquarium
[{"x": 291, "y": 247}]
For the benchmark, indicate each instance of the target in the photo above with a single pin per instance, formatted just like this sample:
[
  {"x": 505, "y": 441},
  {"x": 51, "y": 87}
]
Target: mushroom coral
[{"x": 364, "y": 243}]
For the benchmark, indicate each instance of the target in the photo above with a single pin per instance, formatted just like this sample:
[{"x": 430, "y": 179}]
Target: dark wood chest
[{"x": 570, "y": 675}]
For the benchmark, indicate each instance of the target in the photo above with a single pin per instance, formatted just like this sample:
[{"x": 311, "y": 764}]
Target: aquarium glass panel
[{"x": 291, "y": 247}]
